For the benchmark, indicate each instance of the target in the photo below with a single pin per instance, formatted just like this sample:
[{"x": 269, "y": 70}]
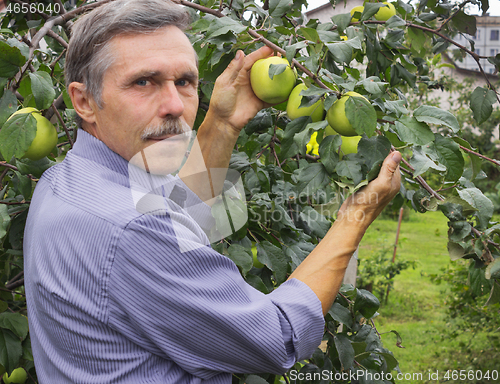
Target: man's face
[{"x": 149, "y": 96}]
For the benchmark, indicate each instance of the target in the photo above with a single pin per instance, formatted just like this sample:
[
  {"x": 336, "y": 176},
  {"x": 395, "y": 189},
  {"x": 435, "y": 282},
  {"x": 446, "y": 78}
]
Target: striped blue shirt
[{"x": 112, "y": 299}]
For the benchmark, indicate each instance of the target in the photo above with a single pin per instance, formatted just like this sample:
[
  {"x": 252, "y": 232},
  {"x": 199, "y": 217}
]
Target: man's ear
[{"x": 82, "y": 102}]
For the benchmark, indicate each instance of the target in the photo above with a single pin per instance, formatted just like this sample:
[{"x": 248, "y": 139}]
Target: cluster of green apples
[
  {"x": 283, "y": 87},
  {"x": 383, "y": 14}
]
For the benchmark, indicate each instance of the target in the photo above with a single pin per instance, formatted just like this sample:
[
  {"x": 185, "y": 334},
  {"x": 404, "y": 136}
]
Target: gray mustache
[{"x": 168, "y": 127}]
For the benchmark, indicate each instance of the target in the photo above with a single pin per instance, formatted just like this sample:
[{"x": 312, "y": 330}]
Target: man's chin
[{"x": 162, "y": 156}]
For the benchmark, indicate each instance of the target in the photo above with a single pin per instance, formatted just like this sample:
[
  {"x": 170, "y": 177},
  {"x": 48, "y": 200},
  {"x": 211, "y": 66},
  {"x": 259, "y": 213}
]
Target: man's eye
[
  {"x": 182, "y": 83},
  {"x": 142, "y": 82}
]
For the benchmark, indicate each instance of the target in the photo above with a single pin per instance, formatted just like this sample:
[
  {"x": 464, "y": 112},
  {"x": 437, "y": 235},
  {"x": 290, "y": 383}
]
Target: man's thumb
[{"x": 390, "y": 165}]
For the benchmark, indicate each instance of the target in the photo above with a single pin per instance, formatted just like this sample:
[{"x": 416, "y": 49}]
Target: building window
[
  {"x": 477, "y": 36},
  {"x": 495, "y": 34},
  {"x": 493, "y": 52},
  {"x": 477, "y": 51}
]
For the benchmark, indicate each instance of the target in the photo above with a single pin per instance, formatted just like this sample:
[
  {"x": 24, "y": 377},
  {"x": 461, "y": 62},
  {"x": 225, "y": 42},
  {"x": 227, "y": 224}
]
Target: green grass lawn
[{"x": 416, "y": 307}]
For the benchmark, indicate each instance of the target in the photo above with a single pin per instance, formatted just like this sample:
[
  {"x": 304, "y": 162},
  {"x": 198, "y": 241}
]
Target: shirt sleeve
[{"x": 195, "y": 308}]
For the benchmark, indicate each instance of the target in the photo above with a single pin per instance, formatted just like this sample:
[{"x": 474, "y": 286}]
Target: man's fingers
[{"x": 260, "y": 53}]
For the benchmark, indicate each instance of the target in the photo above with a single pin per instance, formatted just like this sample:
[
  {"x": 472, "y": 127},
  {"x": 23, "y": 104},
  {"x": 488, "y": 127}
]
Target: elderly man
[{"x": 112, "y": 298}]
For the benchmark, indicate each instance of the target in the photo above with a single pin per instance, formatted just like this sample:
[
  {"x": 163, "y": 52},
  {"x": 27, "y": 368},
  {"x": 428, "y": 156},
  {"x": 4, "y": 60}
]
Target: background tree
[{"x": 291, "y": 195}]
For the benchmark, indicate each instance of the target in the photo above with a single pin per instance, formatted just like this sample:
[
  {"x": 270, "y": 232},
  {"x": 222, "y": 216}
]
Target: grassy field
[{"x": 416, "y": 307}]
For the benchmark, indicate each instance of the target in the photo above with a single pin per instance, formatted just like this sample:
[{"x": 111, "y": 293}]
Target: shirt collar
[{"x": 91, "y": 148}]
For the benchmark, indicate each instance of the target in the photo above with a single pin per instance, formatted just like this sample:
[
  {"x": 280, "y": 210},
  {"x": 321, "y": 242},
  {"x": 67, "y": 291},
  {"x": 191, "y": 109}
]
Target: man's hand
[
  {"x": 366, "y": 204},
  {"x": 233, "y": 101}
]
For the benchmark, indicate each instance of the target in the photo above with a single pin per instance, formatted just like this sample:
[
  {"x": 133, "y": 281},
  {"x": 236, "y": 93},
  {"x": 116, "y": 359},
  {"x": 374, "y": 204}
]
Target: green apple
[
  {"x": 359, "y": 9},
  {"x": 292, "y": 108},
  {"x": 385, "y": 13},
  {"x": 337, "y": 118},
  {"x": 256, "y": 262},
  {"x": 277, "y": 89},
  {"x": 349, "y": 145},
  {"x": 330, "y": 131},
  {"x": 18, "y": 376},
  {"x": 46, "y": 135},
  {"x": 313, "y": 146}
]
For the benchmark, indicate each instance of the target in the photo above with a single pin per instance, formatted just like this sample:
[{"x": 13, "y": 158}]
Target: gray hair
[{"x": 89, "y": 56}]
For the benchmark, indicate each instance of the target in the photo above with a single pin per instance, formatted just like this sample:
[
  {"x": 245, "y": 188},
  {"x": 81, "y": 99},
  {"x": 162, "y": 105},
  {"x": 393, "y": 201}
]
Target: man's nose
[{"x": 171, "y": 103}]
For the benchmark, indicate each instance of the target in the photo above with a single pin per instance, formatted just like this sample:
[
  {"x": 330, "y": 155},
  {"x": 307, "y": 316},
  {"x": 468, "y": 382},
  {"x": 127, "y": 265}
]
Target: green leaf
[
  {"x": 464, "y": 23},
  {"x": 221, "y": 26},
  {"x": 493, "y": 270},
  {"x": 8, "y": 105},
  {"x": 432, "y": 115},
  {"x": 494, "y": 294},
  {"x": 478, "y": 283},
  {"x": 16, "y": 135},
  {"x": 278, "y": 8},
  {"x": 366, "y": 303},
  {"x": 342, "y": 21},
  {"x": 328, "y": 152},
  {"x": 4, "y": 220},
  {"x": 345, "y": 350},
  {"x": 341, "y": 314},
  {"x": 412, "y": 131},
  {"x": 16, "y": 322},
  {"x": 11, "y": 60},
  {"x": 315, "y": 221},
  {"x": 459, "y": 230},
  {"x": 350, "y": 169},
  {"x": 274, "y": 259},
  {"x": 374, "y": 151},
  {"x": 370, "y": 10},
  {"x": 361, "y": 115},
  {"x": 261, "y": 122},
  {"x": 42, "y": 88},
  {"x": 446, "y": 152},
  {"x": 276, "y": 69},
  {"x": 478, "y": 200},
  {"x": 421, "y": 162},
  {"x": 341, "y": 51},
  {"x": 254, "y": 379},
  {"x": 10, "y": 349},
  {"x": 373, "y": 85},
  {"x": 481, "y": 103},
  {"x": 242, "y": 257},
  {"x": 310, "y": 178},
  {"x": 416, "y": 39}
]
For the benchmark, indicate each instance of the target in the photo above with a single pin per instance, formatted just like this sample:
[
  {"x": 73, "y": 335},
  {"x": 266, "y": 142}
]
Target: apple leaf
[
  {"x": 412, "y": 131},
  {"x": 432, "y": 115},
  {"x": 254, "y": 379},
  {"x": 310, "y": 178},
  {"x": 342, "y": 21},
  {"x": 361, "y": 115},
  {"x": 366, "y": 303},
  {"x": 16, "y": 322},
  {"x": 10, "y": 349},
  {"x": 481, "y": 103},
  {"x": 373, "y": 85},
  {"x": 221, "y": 26},
  {"x": 16, "y": 135},
  {"x": 288, "y": 146},
  {"x": 4, "y": 220},
  {"x": 458, "y": 230},
  {"x": 328, "y": 152},
  {"x": 262, "y": 121},
  {"x": 241, "y": 256},
  {"x": 341, "y": 314},
  {"x": 277, "y": 8},
  {"x": 274, "y": 259},
  {"x": 341, "y": 51},
  {"x": 8, "y": 105},
  {"x": 464, "y": 23},
  {"x": 370, "y": 10},
  {"x": 374, "y": 151},
  {"x": 345, "y": 351},
  {"x": 11, "y": 59},
  {"x": 350, "y": 169},
  {"x": 42, "y": 88},
  {"x": 446, "y": 152},
  {"x": 421, "y": 162},
  {"x": 317, "y": 223},
  {"x": 478, "y": 200}
]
